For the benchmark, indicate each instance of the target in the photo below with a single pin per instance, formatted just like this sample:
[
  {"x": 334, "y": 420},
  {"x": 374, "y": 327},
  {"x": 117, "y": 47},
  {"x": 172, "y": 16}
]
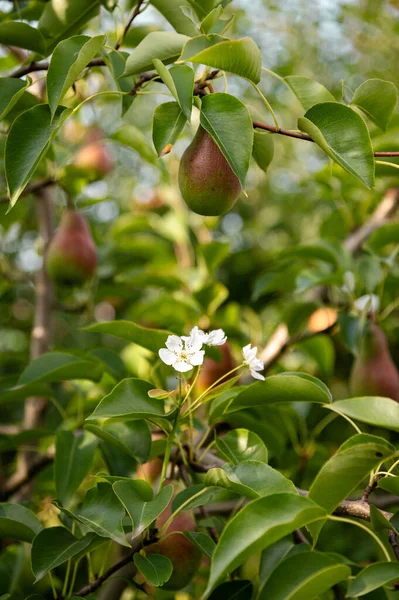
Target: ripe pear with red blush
[
  {"x": 94, "y": 158},
  {"x": 212, "y": 370},
  {"x": 374, "y": 372},
  {"x": 71, "y": 258},
  {"x": 207, "y": 183},
  {"x": 183, "y": 554}
]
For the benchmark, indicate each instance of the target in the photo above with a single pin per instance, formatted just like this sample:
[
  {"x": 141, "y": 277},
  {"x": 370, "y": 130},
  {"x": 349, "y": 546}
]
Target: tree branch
[
  {"x": 44, "y": 66},
  {"x": 135, "y": 14},
  {"x": 33, "y": 188},
  {"x": 22, "y": 477}
]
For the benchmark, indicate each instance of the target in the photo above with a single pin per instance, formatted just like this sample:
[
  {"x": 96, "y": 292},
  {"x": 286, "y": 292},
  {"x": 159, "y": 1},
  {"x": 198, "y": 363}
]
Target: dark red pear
[
  {"x": 374, "y": 372},
  {"x": 207, "y": 182},
  {"x": 71, "y": 258}
]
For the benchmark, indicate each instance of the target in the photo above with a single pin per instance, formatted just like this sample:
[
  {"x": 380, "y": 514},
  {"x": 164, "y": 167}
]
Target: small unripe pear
[
  {"x": 71, "y": 257},
  {"x": 212, "y": 370},
  {"x": 374, "y": 372},
  {"x": 207, "y": 182},
  {"x": 95, "y": 158}
]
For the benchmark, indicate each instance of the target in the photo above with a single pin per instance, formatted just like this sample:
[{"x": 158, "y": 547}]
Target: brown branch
[
  {"x": 33, "y": 188},
  {"x": 23, "y": 477},
  {"x": 44, "y": 66},
  {"x": 94, "y": 585},
  {"x": 135, "y": 14}
]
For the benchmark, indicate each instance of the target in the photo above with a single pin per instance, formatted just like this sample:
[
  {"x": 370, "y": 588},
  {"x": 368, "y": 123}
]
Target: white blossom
[
  {"x": 183, "y": 353},
  {"x": 216, "y": 337},
  {"x": 255, "y": 364},
  {"x": 369, "y": 301}
]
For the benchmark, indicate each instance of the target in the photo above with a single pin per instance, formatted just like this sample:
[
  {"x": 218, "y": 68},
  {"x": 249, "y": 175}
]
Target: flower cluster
[{"x": 185, "y": 352}]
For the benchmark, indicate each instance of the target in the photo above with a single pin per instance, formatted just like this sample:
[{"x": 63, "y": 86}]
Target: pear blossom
[
  {"x": 216, "y": 337},
  {"x": 371, "y": 302},
  {"x": 255, "y": 364},
  {"x": 183, "y": 353}
]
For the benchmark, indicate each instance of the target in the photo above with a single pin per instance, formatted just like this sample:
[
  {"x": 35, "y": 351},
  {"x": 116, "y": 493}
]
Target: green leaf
[
  {"x": 263, "y": 149},
  {"x": 11, "y": 91},
  {"x": 250, "y": 478},
  {"x": 343, "y": 136},
  {"x": 235, "y": 590},
  {"x": 258, "y": 525},
  {"x": 164, "y": 45},
  {"x": 390, "y": 484},
  {"x": 156, "y": 568},
  {"x": 271, "y": 557},
  {"x": 377, "y": 99},
  {"x": 101, "y": 512},
  {"x": 152, "y": 339},
  {"x": 133, "y": 438},
  {"x": 308, "y": 91},
  {"x": 240, "y": 57},
  {"x": 211, "y": 19},
  {"x": 287, "y": 387},
  {"x": 116, "y": 61},
  {"x": 74, "y": 453},
  {"x": 137, "y": 498},
  {"x": 18, "y": 522},
  {"x": 168, "y": 123},
  {"x": 132, "y": 137},
  {"x": 218, "y": 112},
  {"x": 304, "y": 576},
  {"x": 67, "y": 62},
  {"x": 59, "y": 366},
  {"x": 373, "y": 577},
  {"x": 383, "y": 236},
  {"x": 191, "y": 493},
  {"x": 345, "y": 471},
  {"x": 28, "y": 140},
  {"x": 22, "y": 35},
  {"x": 197, "y": 44},
  {"x": 60, "y": 19},
  {"x": 322, "y": 350},
  {"x": 129, "y": 400},
  {"x": 53, "y": 546},
  {"x": 241, "y": 444},
  {"x": 378, "y": 521},
  {"x": 21, "y": 392},
  {"x": 376, "y": 411},
  {"x": 180, "y": 81},
  {"x": 202, "y": 540},
  {"x": 172, "y": 11}
]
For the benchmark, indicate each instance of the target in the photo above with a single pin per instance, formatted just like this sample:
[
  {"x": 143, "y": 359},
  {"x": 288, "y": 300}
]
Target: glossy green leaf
[
  {"x": 59, "y": 366},
  {"x": 258, "y": 525},
  {"x": 11, "y": 91},
  {"x": 236, "y": 590},
  {"x": 67, "y": 62},
  {"x": 53, "y": 546},
  {"x": 133, "y": 438},
  {"x": 168, "y": 123},
  {"x": 129, "y": 400},
  {"x": 240, "y": 57},
  {"x": 373, "y": 577},
  {"x": 198, "y": 44},
  {"x": 132, "y": 137},
  {"x": 197, "y": 499},
  {"x": 18, "y": 522},
  {"x": 21, "y": 392},
  {"x": 74, "y": 453},
  {"x": 250, "y": 478},
  {"x": 116, "y": 61},
  {"x": 343, "y": 136},
  {"x": 287, "y": 387},
  {"x": 211, "y": 19},
  {"x": 378, "y": 521},
  {"x": 345, "y": 471},
  {"x": 180, "y": 81},
  {"x": 156, "y": 568},
  {"x": 271, "y": 557},
  {"x": 263, "y": 149},
  {"x": 22, "y": 35},
  {"x": 218, "y": 112},
  {"x": 172, "y": 11},
  {"x": 28, "y": 141},
  {"x": 390, "y": 484},
  {"x": 240, "y": 444},
  {"x": 304, "y": 576},
  {"x": 101, "y": 512},
  {"x": 376, "y": 411},
  {"x": 60, "y": 19},
  {"x": 137, "y": 498},
  {"x": 203, "y": 541},
  {"x": 164, "y": 45},
  {"x": 308, "y": 91},
  {"x": 377, "y": 99},
  {"x": 152, "y": 339}
]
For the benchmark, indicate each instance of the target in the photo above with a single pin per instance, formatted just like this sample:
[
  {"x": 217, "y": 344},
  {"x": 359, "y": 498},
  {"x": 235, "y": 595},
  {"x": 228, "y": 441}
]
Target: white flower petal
[
  {"x": 249, "y": 353},
  {"x": 182, "y": 366},
  {"x": 167, "y": 356},
  {"x": 257, "y": 364},
  {"x": 217, "y": 337},
  {"x": 256, "y": 375},
  {"x": 195, "y": 342},
  {"x": 197, "y": 358},
  {"x": 174, "y": 343},
  {"x": 371, "y": 301}
]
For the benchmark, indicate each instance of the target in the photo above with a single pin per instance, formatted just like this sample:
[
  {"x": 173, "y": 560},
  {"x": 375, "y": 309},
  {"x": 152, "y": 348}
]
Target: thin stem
[
  {"x": 75, "y": 572},
  {"x": 393, "y": 466},
  {"x": 52, "y": 585},
  {"x": 349, "y": 421},
  {"x": 269, "y": 106},
  {"x": 198, "y": 400},
  {"x": 105, "y": 93},
  {"x": 369, "y": 531},
  {"x": 276, "y": 76},
  {"x": 68, "y": 570},
  {"x": 323, "y": 424},
  {"x": 170, "y": 440},
  {"x": 182, "y": 506},
  {"x": 135, "y": 14},
  {"x": 386, "y": 163}
]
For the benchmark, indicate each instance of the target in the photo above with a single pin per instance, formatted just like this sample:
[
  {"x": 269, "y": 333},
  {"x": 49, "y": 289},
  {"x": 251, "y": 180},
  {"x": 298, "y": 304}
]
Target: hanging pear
[
  {"x": 71, "y": 257},
  {"x": 207, "y": 182},
  {"x": 374, "y": 372}
]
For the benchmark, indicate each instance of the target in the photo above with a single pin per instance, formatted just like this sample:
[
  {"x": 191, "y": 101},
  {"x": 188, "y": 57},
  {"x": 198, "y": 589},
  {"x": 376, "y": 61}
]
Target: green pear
[
  {"x": 374, "y": 372},
  {"x": 71, "y": 257},
  {"x": 207, "y": 182}
]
